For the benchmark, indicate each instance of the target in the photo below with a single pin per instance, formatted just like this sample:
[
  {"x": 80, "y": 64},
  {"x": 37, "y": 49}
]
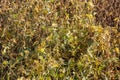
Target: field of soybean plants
[{"x": 59, "y": 40}]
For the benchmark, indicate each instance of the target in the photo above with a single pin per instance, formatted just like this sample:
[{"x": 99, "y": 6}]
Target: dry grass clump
[{"x": 56, "y": 40}]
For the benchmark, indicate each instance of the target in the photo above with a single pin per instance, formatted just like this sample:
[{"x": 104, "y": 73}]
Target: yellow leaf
[
  {"x": 37, "y": 9},
  {"x": 41, "y": 50},
  {"x": 26, "y": 52},
  {"x": 89, "y": 16},
  {"x": 52, "y": 0},
  {"x": 117, "y": 50},
  {"x": 5, "y": 62},
  {"x": 99, "y": 29},
  {"x": 54, "y": 65},
  {"x": 36, "y": 61},
  {"x": 116, "y": 19},
  {"x": 41, "y": 57},
  {"x": 41, "y": 47},
  {"x": 91, "y": 4},
  {"x": 49, "y": 37}
]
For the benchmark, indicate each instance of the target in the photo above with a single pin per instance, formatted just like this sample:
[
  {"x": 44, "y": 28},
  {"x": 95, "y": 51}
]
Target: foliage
[
  {"x": 107, "y": 12},
  {"x": 56, "y": 40}
]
